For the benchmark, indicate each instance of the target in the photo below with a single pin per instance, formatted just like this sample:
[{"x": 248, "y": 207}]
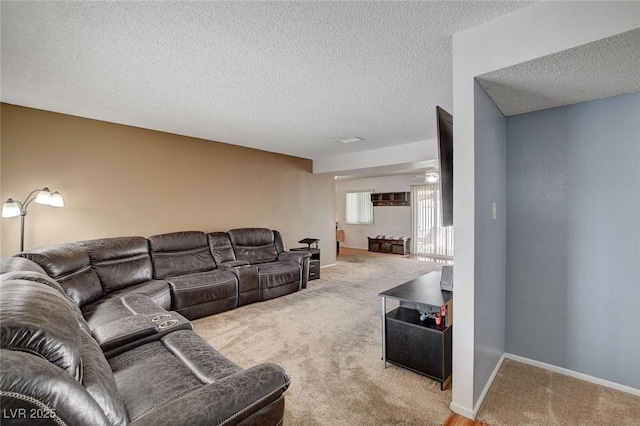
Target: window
[
  {"x": 429, "y": 237},
  {"x": 359, "y": 209}
]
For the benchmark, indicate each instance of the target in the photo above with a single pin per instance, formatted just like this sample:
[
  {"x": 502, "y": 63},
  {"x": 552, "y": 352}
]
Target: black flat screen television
[{"x": 445, "y": 159}]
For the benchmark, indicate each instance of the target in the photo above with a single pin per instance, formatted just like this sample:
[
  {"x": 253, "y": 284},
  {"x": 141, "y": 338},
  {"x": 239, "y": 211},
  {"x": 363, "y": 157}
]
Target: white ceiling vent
[{"x": 350, "y": 140}]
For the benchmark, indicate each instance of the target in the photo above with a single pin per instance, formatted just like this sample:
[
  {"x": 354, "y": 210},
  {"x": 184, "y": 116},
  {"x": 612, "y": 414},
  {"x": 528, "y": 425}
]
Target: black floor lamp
[{"x": 13, "y": 208}]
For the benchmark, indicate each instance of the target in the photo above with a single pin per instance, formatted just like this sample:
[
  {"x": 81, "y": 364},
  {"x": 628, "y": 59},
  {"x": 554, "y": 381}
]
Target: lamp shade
[
  {"x": 10, "y": 208},
  {"x": 56, "y": 200},
  {"x": 44, "y": 196}
]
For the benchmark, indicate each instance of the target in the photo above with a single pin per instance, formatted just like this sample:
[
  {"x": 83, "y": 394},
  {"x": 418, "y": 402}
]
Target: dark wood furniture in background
[
  {"x": 314, "y": 261},
  {"x": 420, "y": 346},
  {"x": 390, "y": 199},
  {"x": 386, "y": 245},
  {"x": 339, "y": 238}
]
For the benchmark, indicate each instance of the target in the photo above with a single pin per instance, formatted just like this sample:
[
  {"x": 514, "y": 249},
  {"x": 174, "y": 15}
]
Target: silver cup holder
[
  {"x": 162, "y": 317},
  {"x": 167, "y": 324}
]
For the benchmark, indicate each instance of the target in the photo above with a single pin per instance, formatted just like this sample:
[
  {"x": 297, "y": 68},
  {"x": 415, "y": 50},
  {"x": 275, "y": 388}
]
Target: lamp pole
[{"x": 14, "y": 208}]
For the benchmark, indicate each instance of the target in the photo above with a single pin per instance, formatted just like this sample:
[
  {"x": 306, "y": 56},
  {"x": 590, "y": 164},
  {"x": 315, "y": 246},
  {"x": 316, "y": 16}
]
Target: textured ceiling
[
  {"x": 287, "y": 77},
  {"x": 596, "y": 70}
]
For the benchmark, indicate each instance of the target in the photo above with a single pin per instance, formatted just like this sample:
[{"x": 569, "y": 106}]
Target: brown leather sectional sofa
[{"x": 98, "y": 331}]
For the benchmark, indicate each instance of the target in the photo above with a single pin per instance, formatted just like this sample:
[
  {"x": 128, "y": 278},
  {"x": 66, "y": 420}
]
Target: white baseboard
[
  {"x": 471, "y": 414},
  {"x": 328, "y": 266},
  {"x": 575, "y": 374},
  {"x": 461, "y": 410},
  {"x": 494, "y": 373}
]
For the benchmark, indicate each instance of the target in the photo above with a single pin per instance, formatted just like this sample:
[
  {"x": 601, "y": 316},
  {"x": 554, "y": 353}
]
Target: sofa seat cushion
[
  {"x": 109, "y": 308},
  {"x": 275, "y": 274},
  {"x": 205, "y": 293},
  {"x": 179, "y": 363},
  {"x": 203, "y": 287}
]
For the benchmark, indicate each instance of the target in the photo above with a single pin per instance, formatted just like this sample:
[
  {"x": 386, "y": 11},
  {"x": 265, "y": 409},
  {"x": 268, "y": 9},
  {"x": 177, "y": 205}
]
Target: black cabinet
[
  {"x": 314, "y": 261},
  {"x": 421, "y": 346}
]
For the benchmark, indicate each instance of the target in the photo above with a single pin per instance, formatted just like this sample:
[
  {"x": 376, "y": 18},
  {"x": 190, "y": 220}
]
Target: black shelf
[
  {"x": 420, "y": 346},
  {"x": 314, "y": 261},
  {"x": 412, "y": 317}
]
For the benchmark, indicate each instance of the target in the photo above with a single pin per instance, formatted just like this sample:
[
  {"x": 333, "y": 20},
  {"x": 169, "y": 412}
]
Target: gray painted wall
[
  {"x": 573, "y": 238},
  {"x": 490, "y": 239}
]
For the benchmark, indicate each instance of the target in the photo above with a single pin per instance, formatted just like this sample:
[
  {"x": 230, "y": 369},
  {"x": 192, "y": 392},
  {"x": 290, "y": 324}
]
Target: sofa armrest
[
  {"x": 232, "y": 264},
  {"x": 140, "y": 304},
  {"x": 294, "y": 256},
  {"x": 227, "y": 401},
  {"x": 129, "y": 332}
]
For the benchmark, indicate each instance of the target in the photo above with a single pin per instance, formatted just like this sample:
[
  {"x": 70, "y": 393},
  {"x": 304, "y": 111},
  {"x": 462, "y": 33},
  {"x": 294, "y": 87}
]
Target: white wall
[
  {"x": 388, "y": 220},
  {"x": 540, "y": 29}
]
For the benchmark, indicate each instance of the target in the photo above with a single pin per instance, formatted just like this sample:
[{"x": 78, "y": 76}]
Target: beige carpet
[
  {"x": 328, "y": 338},
  {"x": 526, "y": 395}
]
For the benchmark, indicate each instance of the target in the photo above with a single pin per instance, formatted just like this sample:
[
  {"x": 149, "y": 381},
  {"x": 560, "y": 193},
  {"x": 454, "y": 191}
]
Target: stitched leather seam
[
  {"x": 262, "y": 247},
  {"x": 37, "y": 403},
  {"x": 187, "y": 308},
  {"x": 71, "y": 274},
  {"x": 249, "y": 407},
  {"x": 180, "y": 252},
  {"x": 120, "y": 260},
  {"x": 120, "y": 336},
  {"x": 280, "y": 272},
  {"x": 177, "y": 394},
  {"x": 179, "y": 289},
  {"x": 126, "y": 305},
  {"x": 179, "y": 354},
  {"x": 132, "y": 357}
]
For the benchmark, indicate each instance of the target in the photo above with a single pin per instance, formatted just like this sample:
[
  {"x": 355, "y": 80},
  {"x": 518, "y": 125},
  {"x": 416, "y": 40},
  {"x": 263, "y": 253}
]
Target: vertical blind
[
  {"x": 359, "y": 209},
  {"x": 429, "y": 237}
]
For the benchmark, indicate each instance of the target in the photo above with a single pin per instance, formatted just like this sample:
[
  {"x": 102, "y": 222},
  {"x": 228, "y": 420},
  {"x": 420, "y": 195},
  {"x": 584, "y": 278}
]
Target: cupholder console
[
  {"x": 167, "y": 324},
  {"x": 134, "y": 330},
  {"x": 159, "y": 318}
]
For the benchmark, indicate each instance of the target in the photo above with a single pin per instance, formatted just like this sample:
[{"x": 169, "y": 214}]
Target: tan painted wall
[{"x": 119, "y": 180}]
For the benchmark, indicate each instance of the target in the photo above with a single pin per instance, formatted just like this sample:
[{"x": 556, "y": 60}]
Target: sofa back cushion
[
  {"x": 15, "y": 263},
  {"x": 180, "y": 253},
  {"x": 278, "y": 241},
  {"x": 48, "y": 357},
  {"x": 99, "y": 381},
  {"x": 69, "y": 265},
  {"x": 221, "y": 248},
  {"x": 119, "y": 262},
  {"x": 31, "y": 384},
  {"x": 37, "y": 319},
  {"x": 255, "y": 245}
]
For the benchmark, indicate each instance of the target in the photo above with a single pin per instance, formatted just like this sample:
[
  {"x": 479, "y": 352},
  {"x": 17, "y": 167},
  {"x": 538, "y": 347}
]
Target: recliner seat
[
  {"x": 54, "y": 371},
  {"x": 189, "y": 272},
  {"x": 199, "y": 289}
]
